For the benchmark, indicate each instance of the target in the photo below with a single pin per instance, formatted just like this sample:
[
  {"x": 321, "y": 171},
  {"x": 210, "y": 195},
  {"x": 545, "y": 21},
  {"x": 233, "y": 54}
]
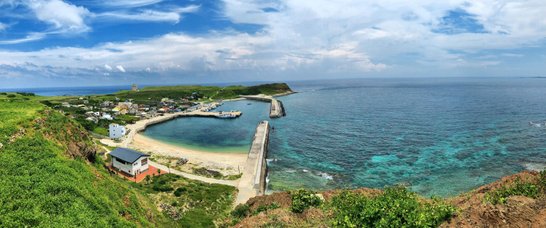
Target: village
[
  {"x": 114, "y": 121},
  {"x": 108, "y": 117}
]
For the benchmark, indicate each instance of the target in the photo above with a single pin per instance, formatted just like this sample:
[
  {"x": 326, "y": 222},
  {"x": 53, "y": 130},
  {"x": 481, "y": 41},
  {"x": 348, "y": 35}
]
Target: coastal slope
[
  {"x": 53, "y": 175},
  {"x": 518, "y": 200}
]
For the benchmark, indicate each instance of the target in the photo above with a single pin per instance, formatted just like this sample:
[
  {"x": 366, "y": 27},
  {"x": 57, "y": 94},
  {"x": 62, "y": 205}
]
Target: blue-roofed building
[{"x": 129, "y": 161}]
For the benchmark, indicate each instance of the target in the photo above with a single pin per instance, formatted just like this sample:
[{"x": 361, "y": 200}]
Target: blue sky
[{"x": 94, "y": 42}]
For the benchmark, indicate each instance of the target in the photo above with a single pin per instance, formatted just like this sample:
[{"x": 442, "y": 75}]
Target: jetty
[
  {"x": 253, "y": 180},
  {"x": 276, "y": 110}
]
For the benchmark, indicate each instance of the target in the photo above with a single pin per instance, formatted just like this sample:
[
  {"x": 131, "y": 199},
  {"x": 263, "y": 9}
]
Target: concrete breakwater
[
  {"x": 276, "y": 109},
  {"x": 252, "y": 182}
]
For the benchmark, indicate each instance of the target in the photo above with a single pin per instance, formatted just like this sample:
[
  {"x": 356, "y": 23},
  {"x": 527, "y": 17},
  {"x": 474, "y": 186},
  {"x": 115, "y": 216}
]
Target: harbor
[
  {"x": 276, "y": 109},
  {"x": 141, "y": 125}
]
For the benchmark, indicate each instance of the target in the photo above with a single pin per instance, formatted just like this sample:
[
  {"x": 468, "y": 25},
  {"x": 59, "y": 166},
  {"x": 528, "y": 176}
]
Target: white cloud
[
  {"x": 64, "y": 17},
  {"x": 128, "y": 3},
  {"x": 3, "y": 26},
  {"x": 120, "y": 68},
  {"x": 107, "y": 67},
  {"x": 174, "y": 15},
  {"x": 313, "y": 37},
  {"x": 28, "y": 38}
]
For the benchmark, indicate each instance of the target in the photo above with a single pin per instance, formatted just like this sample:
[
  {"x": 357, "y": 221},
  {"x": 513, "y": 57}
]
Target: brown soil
[
  {"x": 519, "y": 211},
  {"x": 473, "y": 211}
]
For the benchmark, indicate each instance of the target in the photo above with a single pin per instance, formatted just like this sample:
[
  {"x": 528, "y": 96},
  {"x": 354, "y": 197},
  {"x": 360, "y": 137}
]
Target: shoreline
[{"x": 228, "y": 163}]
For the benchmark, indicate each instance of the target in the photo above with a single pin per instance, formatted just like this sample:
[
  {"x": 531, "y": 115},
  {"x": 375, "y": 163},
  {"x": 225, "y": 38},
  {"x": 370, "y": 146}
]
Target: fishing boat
[{"x": 227, "y": 116}]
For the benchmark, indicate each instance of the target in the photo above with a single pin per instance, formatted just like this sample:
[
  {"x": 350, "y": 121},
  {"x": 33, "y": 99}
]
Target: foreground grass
[
  {"x": 191, "y": 203},
  {"x": 395, "y": 207},
  {"x": 41, "y": 184},
  {"x": 532, "y": 189}
]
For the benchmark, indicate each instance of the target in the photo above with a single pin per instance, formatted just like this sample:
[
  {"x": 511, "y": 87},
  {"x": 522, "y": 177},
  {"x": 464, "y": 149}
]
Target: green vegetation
[
  {"x": 531, "y": 189},
  {"x": 204, "y": 93},
  {"x": 267, "y": 207},
  {"x": 47, "y": 179},
  {"x": 50, "y": 177},
  {"x": 303, "y": 199},
  {"x": 191, "y": 203},
  {"x": 396, "y": 207},
  {"x": 202, "y": 171},
  {"x": 241, "y": 211}
]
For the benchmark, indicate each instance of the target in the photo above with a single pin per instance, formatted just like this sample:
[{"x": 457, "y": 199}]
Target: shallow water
[
  {"x": 441, "y": 137},
  {"x": 211, "y": 134}
]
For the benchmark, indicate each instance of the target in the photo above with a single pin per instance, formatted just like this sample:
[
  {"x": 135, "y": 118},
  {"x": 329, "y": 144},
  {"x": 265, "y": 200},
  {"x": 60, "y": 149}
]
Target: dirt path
[{"x": 233, "y": 183}]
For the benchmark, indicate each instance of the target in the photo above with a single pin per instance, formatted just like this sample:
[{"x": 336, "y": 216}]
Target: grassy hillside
[
  {"x": 202, "y": 92},
  {"x": 47, "y": 180},
  {"x": 51, "y": 177}
]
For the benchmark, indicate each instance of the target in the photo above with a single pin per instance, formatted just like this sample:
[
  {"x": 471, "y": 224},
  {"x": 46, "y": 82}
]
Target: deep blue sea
[
  {"x": 438, "y": 136},
  {"x": 70, "y": 91}
]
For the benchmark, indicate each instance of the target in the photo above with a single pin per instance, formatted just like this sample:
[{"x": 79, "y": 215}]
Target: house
[
  {"x": 129, "y": 161},
  {"x": 116, "y": 131},
  {"x": 107, "y": 104},
  {"x": 106, "y": 116}
]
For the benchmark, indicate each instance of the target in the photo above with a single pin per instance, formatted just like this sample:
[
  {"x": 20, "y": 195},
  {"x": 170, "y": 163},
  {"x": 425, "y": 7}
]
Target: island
[{"x": 55, "y": 172}]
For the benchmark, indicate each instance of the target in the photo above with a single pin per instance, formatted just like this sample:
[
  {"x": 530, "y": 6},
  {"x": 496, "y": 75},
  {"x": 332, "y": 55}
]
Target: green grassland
[
  {"x": 202, "y": 93},
  {"x": 51, "y": 177}
]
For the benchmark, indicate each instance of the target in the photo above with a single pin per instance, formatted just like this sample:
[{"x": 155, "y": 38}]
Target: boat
[{"x": 227, "y": 116}]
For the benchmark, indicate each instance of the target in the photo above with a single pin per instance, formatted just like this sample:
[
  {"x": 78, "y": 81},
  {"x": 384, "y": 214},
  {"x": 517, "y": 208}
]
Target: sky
[{"x": 55, "y": 43}]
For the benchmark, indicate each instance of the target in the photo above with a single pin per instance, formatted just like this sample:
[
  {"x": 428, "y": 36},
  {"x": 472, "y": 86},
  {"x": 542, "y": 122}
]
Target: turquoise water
[
  {"x": 440, "y": 137},
  {"x": 211, "y": 134}
]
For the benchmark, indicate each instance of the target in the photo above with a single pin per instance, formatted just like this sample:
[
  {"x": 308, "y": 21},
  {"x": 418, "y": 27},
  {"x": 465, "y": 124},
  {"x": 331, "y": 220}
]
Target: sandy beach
[{"x": 228, "y": 162}]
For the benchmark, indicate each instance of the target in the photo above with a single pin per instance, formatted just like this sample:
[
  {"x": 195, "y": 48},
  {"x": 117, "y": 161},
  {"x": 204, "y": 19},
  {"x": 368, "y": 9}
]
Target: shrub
[
  {"x": 266, "y": 207},
  {"x": 178, "y": 192},
  {"x": 303, "y": 199},
  {"x": 396, "y": 207},
  {"x": 542, "y": 181},
  {"x": 163, "y": 183},
  {"x": 519, "y": 188},
  {"x": 101, "y": 131},
  {"x": 241, "y": 211},
  {"x": 11, "y": 95}
]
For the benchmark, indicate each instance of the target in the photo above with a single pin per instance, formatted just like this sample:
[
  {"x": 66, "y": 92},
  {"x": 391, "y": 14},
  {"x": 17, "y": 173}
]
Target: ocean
[
  {"x": 70, "y": 91},
  {"x": 437, "y": 136}
]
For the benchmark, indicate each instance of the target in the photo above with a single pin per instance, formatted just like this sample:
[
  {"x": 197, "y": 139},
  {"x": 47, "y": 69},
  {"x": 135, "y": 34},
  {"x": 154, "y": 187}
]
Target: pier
[
  {"x": 253, "y": 180},
  {"x": 276, "y": 110}
]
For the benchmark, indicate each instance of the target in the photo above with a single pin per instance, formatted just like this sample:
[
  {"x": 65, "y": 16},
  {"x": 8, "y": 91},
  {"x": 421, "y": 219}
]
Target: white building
[
  {"x": 129, "y": 161},
  {"x": 116, "y": 131},
  {"x": 106, "y": 116}
]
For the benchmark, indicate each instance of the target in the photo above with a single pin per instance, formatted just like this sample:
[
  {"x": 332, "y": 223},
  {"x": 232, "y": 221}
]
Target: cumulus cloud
[
  {"x": 3, "y": 26},
  {"x": 319, "y": 36},
  {"x": 63, "y": 16}
]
